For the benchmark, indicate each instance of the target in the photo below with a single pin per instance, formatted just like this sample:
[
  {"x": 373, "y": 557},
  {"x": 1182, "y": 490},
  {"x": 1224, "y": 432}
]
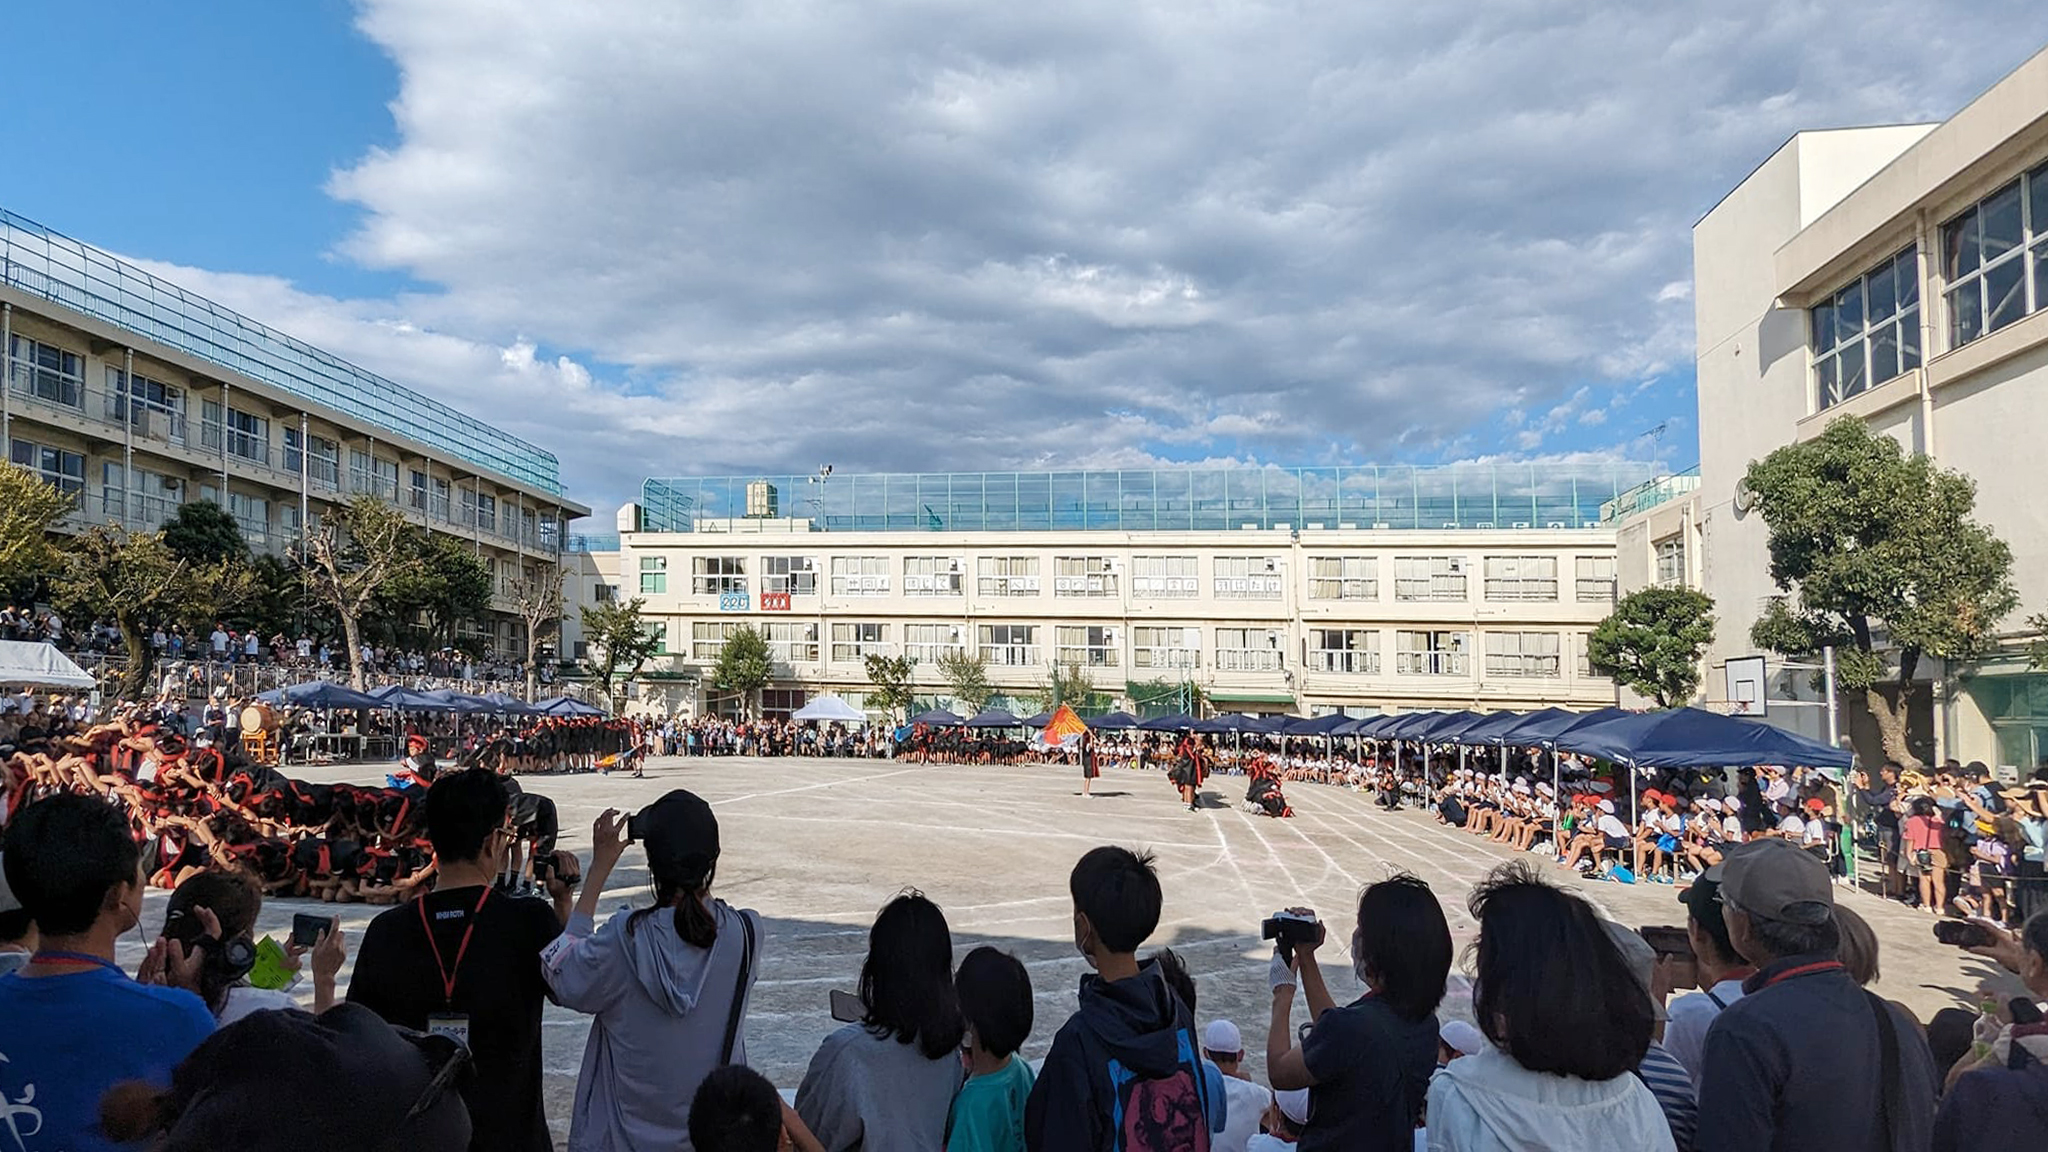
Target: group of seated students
[
  {"x": 1676, "y": 827},
  {"x": 193, "y": 806}
]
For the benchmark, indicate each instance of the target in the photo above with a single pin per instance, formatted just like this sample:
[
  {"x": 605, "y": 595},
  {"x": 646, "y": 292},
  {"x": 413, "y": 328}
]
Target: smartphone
[
  {"x": 307, "y": 929},
  {"x": 1667, "y": 941},
  {"x": 846, "y": 1007},
  {"x": 1964, "y": 934},
  {"x": 634, "y": 828}
]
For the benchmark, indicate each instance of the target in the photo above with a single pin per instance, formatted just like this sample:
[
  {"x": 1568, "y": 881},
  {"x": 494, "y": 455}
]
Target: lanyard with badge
[{"x": 454, "y": 1025}]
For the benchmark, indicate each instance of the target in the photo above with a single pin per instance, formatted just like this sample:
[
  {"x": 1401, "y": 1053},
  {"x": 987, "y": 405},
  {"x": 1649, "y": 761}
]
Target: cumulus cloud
[{"x": 730, "y": 236}]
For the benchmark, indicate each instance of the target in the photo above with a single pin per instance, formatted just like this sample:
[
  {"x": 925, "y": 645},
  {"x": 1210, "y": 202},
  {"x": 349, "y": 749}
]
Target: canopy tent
[
  {"x": 829, "y": 709},
  {"x": 320, "y": 694},
  {"x": 937, "y": 716},
  {"x": 1038, "y": 721},
  {"x": 1215, "y": 725},
  {"x": 403, "y": 699},
  {"x": 1540, "y": 728},
  {"x": 570, "y": 706},
  {"x": 1442, "y": 729},
  {"x": 994, "y": 718},
  {"x": 504, "y": 702},
  {"x": 1315, "y": 725},
  {"x": 1696, "y": 738},
  {"x": 1269, "y": 725},
  {"x": 461, "y": 701},
  {"x": 1407, "y": 725},
  {"x": 28, "y": 663},
  {"x": 1113, "y": 721},
  {"x": 1179, "y": 722},
  {"x": 1489, "y": 728}
]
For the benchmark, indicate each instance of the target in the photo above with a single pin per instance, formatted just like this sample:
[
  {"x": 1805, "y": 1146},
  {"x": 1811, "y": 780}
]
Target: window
[
  {"x": 437, "y": 497},
  {"x": 46, "y": 372},
  {"x": 708, "y": 636},
  {"x": 1010, "y": 645},
  {"x": 247, "y": 434},
  {"x": 1007, "y": 576},
  {"x": 1994, "y": 259},
  {"x": 486, "y": 511},
  {"x": 294, "y": 457},
  {"x": 1429, "y": 578},
  {"x": 1595, "y": 580},
  {"x": 1165, "y": 577},
  {"x": 792, "y": 641},
  {"x": 604, "y": 593},
  {"x": 860, "y": 575},
  {"x": 658, "y": 630},
  {"x": 1157, "y": 647},
  {"x": 1583, "y": 643},
  {"x": 1523, "y": 654},
  {"x": 653, "y": 575},
  {"x": 1248, "y": 649},
  {"x": 416, "y": 489},
  {"x": 252, "y": 513},
  {"x": 368, "y": 473},
  {"x": 323, "y": 464},
  {"x": 789, "y": 575},
  {"x": 1521, "y": 577},
  {"x": 64, "y": 471},
  {"x": 778, "y": 703},
  {"x": 156, "y": 409},
  {"x": 1671, "y": 562},
  {"x": 288, "y": 521},
  {"x": 1343, "y": 578},
  {"x": 1083, "y": 576},
  {"x": 1247, "y": 577},
  {"x": 1868, "y": 332},
  {"x": 925, "y": 643},
  {"x": 931, "y": 575},
  {"x": 1354, "y": 650},
  {"x": 853, "y": 643},
  {"x": 711, "y": 575},
  {"x": 155, "y": 499},
  {"x": 1430, "y": 653},
  {"x": 1087, "y": 644}
]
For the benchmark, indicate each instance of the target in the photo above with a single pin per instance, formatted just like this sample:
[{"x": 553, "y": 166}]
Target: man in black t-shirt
[{"x": 464, "y": 960}]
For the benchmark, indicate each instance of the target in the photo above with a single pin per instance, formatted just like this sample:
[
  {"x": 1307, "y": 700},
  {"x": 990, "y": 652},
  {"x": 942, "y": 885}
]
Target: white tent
[
  {"x": 29, "y": 664},
  {"x": 829, "y": 708}
]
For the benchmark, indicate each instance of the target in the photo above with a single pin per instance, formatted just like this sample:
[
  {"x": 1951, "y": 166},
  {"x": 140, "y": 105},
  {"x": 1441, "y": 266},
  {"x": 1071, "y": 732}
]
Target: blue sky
[{"x": 718, "y": 236}]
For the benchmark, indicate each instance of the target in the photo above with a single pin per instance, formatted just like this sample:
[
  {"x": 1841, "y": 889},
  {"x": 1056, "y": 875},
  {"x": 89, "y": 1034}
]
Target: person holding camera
[
  {"x": 667, "y": 985},
  {"x": 1366, "y": 1064},
  {"x": 464, "y": 961},
  {"x": 215, "y": 912}
]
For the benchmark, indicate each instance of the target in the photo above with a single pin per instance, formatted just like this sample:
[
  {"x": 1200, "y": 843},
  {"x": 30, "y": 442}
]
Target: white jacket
[{"x": 1488, "y": 1103}]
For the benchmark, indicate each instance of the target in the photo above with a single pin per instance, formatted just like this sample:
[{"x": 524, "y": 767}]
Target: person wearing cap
[
  {"x": 464, "y": 960},
  {"x": 1806, "y": 1059},
  {"x": 667, "y": 985},
  {"x": 1285, "y": 1120},
  {"x": 1718, "y": 968},
  {"x": 1246, "y": 1101},
  {"x": 1457, "y": 1039}
]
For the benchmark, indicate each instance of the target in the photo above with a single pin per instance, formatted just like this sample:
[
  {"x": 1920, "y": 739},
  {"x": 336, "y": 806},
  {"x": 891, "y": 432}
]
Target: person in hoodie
[
  {"x": 668, "y": 985},
  {"x": 464, "y": 961},
  {"x": 1124, "y": 1073},
  {"x": 2000, "y": 1103},
  {"x": 1568, "y": 1024},
  {"x": 886, "y": 1083}
]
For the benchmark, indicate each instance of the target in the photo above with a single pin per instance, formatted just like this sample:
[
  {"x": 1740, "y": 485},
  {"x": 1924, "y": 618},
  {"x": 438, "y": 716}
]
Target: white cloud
[{"x": 926, "y": 235}]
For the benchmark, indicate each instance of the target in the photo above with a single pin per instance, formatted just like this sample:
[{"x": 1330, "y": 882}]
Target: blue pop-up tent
[
  {"x": 1112, "y": 721},
  {"x": 403, "y": 699},
  {"x": 1697, "y": 738},
  {"x": 1180, "y": 722},
  {"x": 321, "y": 694},
  {"x": 994, "y": 718},
  {"x": 937, "y": 717}
]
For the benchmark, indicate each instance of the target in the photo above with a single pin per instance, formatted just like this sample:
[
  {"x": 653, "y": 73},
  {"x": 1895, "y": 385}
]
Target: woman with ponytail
[{"x": 667, "y": 984}]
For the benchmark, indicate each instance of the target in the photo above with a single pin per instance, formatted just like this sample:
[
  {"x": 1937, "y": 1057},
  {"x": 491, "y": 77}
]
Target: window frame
[
  {"x": 1515, "y": 583},
  {"x": 1446, "y": 579},
  {"x": 1357, "y": 650},
  {"x": 1966, "y": 271},
  {"x": 1436, "y": 657}
]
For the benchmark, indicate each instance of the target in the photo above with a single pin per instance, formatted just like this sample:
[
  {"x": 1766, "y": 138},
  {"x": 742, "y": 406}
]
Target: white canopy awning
[
  {"x": 29, "y": 664},
  {"x": 829, "y": 708}
]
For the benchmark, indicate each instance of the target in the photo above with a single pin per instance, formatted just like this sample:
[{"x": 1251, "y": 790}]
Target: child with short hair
[
  {"x": 1123, "y": 1074},
  {"x": 736, "y": 1109},
  {"x": 995, "y": 996}
]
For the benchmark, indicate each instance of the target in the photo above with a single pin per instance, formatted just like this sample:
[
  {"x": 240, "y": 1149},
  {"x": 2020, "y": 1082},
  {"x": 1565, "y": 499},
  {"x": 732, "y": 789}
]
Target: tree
[
  {"x": 617, "y": 635},
  {"x": 1184, "y": 696},
  {"x": 891, "y": 676},
  {"x": 1878, "y": 556},
  {"x": 537, "y": 600},
  {"x": 449, "y": 584},
  {"x": 202, "y": 532},
  {"x": 1068, "y": 684},
  {"x": 363, "y": 544},
  {"x": 28, "y": 507},
  {"x": 743, "y": 666},
  {"x": 967, "y": 675},
  {"x": 1653, "y": 642},
  {"x": 137, "y": 582},
  {"x": 276, "y": 589}
]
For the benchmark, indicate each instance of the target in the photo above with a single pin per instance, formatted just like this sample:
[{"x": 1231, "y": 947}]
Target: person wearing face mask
[
  {"x": 1367, "y": 1064},
  {"x": 72, "y": 1024}
]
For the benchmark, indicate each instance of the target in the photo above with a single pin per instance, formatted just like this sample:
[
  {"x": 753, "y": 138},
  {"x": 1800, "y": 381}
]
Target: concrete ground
[{"x": 817, "y": 846}]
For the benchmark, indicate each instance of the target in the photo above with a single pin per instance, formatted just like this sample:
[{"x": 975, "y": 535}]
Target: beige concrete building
[
  {"x": 137, "y": 396},
  {"x": 1293, "y": 608},
  {"x": 1897, "y": 274}
]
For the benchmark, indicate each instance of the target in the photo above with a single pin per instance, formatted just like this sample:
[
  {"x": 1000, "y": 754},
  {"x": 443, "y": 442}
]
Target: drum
[{"x": 260, "y": 717}]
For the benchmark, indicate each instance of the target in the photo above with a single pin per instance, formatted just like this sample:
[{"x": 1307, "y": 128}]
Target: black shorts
[{"x": 1617, "y": 843}]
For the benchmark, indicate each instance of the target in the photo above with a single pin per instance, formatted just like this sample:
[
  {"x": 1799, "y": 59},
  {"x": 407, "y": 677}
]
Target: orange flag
[{"x": 1062, "y": 725}]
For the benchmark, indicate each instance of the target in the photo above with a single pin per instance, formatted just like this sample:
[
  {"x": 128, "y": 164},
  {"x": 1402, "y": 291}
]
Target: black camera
[
  {"x": 544, "y": 869},
  {"x": 1288, "y": 929}
]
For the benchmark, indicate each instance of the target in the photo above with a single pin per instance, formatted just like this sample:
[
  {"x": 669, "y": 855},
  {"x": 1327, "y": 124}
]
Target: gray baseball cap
[{"x": 1778, "y": 880}]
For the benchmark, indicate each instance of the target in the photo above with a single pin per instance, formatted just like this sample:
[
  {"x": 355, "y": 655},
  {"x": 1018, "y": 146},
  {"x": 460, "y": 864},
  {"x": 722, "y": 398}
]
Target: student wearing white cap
[
  {"x": 1284, "y": 1122},
  {"x": 1246, "y": 1102}
]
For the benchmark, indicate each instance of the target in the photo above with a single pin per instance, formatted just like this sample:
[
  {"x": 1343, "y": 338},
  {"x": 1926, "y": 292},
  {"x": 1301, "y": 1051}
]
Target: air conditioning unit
[
  {"x": 1248, "y": 526},
  {"x": 1272, "y": 564},
  {"x": 1484, "y": 524},
  {"x": 173, "y": 484},
  {"x": 1381, "y": 525},
  {"x": 1455, "y": 564},
  {"x": 1555, "y": 524},
  {"x": 1454, "y": 524},
  {"x": 953, "y": 564},
  {"x": 1521, "y": 523},
  {"x": 1110, "y": 564},
  {"x": 1313, "y": 526},
  {"x": 1349, "y": 524}
]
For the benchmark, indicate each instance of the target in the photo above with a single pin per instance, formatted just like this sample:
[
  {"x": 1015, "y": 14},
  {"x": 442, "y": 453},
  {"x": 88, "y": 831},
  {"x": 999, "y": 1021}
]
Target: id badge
[{"x": 453, "y": 1025}]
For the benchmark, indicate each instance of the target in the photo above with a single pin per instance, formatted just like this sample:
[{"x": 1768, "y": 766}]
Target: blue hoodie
[{"x": 661, "y": 1007}]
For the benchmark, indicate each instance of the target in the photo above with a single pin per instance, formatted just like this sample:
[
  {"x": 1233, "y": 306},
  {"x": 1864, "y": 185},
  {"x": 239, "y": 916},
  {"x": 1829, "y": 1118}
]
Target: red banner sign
[{"x": 774, "y": 601}]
